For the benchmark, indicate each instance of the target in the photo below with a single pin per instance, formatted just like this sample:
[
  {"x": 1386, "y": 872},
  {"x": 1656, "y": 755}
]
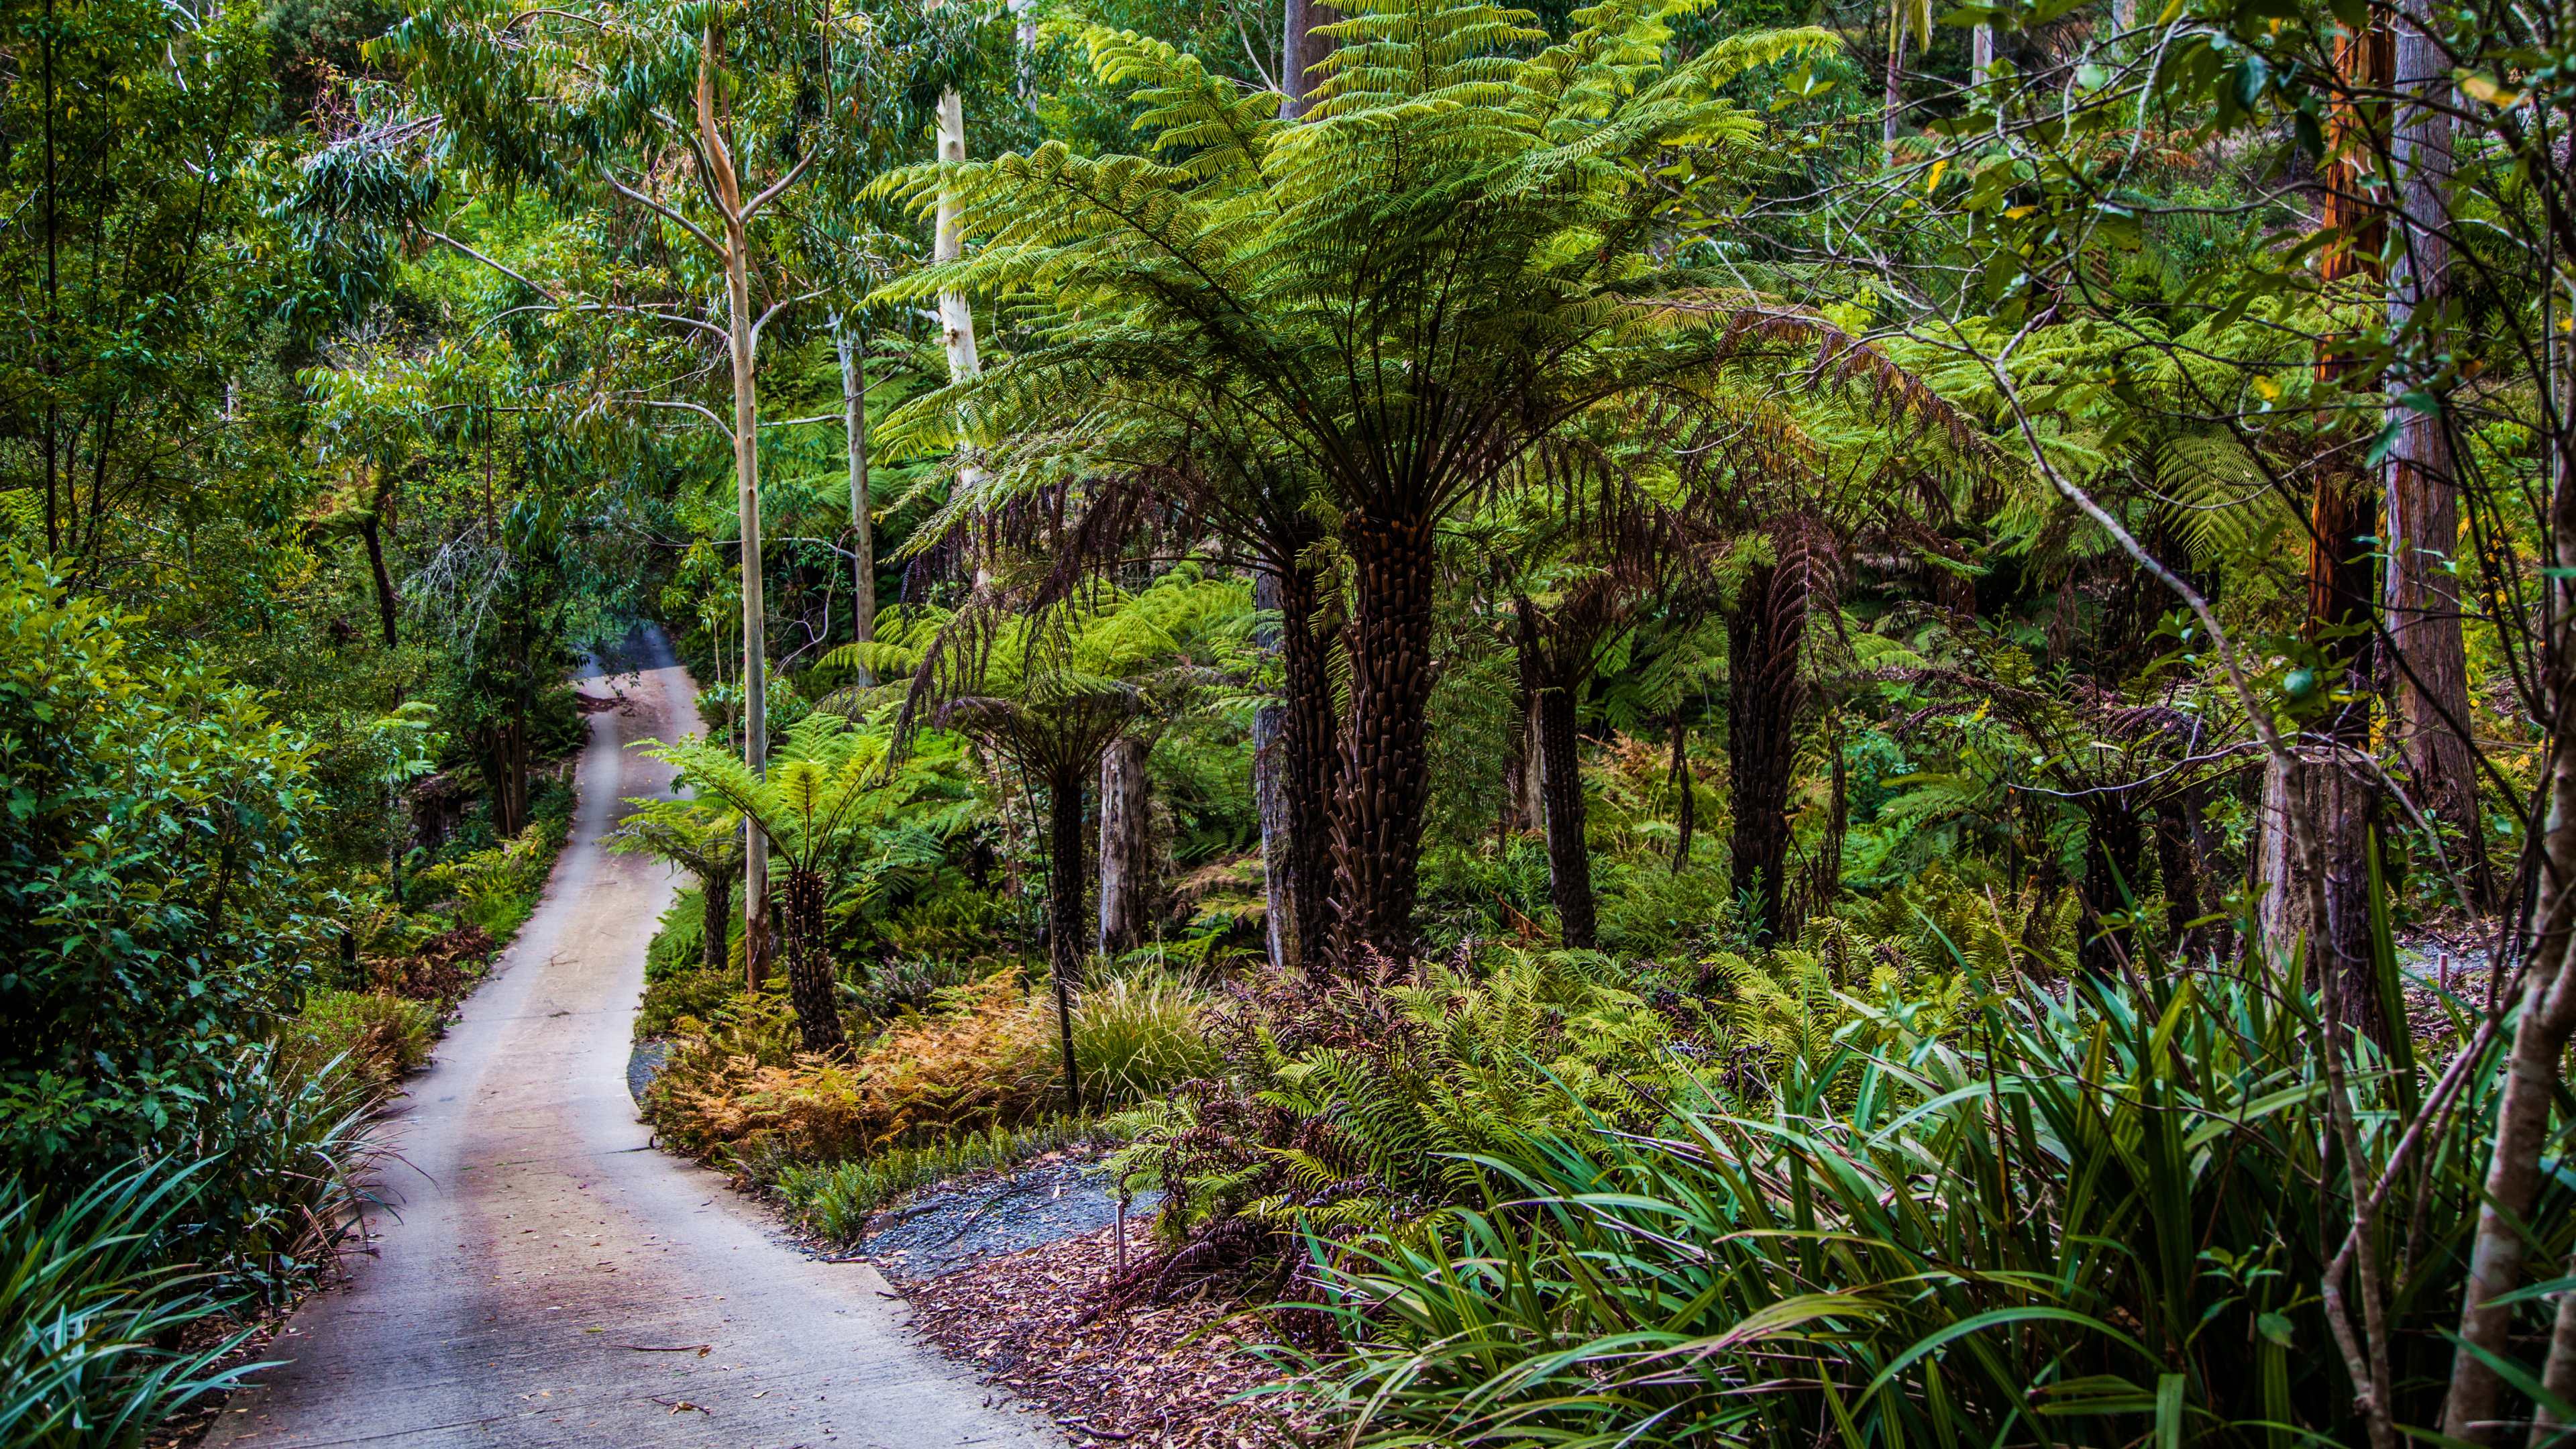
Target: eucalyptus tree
[
  {"x": 1342, "y": 331},
  {"x": 687, "y": 125}
]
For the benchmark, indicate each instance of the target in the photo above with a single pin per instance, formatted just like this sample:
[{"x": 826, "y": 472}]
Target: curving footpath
[{"x": 550, "y": 1279}]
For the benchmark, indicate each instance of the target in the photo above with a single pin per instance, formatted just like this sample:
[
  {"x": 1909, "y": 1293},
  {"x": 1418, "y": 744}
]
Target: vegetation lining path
[{"x": 550, "y": 1281}]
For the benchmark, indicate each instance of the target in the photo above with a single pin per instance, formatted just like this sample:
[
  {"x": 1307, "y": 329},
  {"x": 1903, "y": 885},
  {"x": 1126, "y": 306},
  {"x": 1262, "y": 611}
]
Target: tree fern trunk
[
  {"x": 1685, "y": 805},
  {"x": 1765, "y": 690},
  {"x": 1385, "y": 779},
  {"x": 810, "y": 978},
  {"x": 1064, "y": 912},
  {"x": 716, "y": 900},
  {"x": 2114, "y": 880},
  {"x": 1310, "y": 767},
  {"x": 1569, "y": 860}
]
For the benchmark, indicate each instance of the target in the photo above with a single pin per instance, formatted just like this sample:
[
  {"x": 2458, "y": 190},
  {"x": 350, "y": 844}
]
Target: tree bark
[
  {"x": 716, "y": 918},
  {"x": 810, "y": 978},
  {"x": 1766, "y": 689},
  {"x": 2431, "y": 696},
  {"x": 746, "y": 467},
  {"x": 2179, "y": 866},
  {"x": 1302, "y": 48},
  {"x": 369, "y": 529},
  {"x": 1126, "y": 847},
  {"x": 948, "y": 244},
  {"x": 1385, "y": 779},
  {"x": 1270, "y": 796},
  {"x": 854, "y": 422},
  {"x": 1569, "y": 859},
  {"x": 1311, "y": 736},
  {"x": 1064, "y": 915}
]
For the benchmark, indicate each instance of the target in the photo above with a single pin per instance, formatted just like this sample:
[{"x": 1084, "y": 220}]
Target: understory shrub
[
  {"x": 382, "y": 1035},
  {"x": 2049, "y": 1215},
  {"x": 1361, "y": 1104}
]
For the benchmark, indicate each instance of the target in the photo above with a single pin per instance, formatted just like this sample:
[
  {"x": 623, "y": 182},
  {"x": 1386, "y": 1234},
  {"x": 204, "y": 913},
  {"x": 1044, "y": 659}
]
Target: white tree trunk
[
  {"x": 854, "y": 418},
  {"x": 948, "y": 244},
  {"x": 746, "y": 468},
  {"x": 1981, "y": 45}
]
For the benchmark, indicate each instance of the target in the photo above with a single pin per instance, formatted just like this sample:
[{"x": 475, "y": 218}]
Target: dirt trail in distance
[{"x": 550, "y": 1279}]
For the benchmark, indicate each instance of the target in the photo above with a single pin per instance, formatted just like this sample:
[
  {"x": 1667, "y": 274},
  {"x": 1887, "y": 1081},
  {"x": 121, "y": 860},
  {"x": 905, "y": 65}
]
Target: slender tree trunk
[
  {"x": 1126, "y": 847},
  {"x": 2179, "y": 865},
  {"x": 1385, "y": 778},
  {"x": 2558, "y": 1370},
  {"x": 810, "y": 978},
  {"x": 2536, "y": 1061},
  {"x": 746, "y": 468},
  {"x": 1311, "y": 735},
  {"x": 1569, "y": 859},
  {"x": 370, "y": 529},
  {"x": 1893, "y": 103},
  {"x": 854, "y": 420},
  {"x": 1064, "y": 914},
  {"x": 2431, "y": 703},
  {"x": 948, "y": 244},
  {"x": 1270, "y": 796},
  {"x": 1766, "y": 689},
  {"x": 1981, "y": 49}
]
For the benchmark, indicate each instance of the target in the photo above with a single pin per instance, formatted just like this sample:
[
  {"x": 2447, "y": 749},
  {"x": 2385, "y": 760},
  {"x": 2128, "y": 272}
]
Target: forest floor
[{"x": 1016, "y": 1273}]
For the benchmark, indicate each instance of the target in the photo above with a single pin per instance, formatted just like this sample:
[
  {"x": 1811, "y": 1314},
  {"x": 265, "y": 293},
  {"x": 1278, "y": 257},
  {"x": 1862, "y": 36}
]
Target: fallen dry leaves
[{"x": 1152, "y": 1376}]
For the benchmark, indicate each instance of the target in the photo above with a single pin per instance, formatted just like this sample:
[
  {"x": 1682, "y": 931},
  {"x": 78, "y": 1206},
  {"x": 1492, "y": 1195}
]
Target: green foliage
[
  {"x": 89, "y": 1309},
  {"x": 498, "y": 889},
  {"x": 383, "y": 1036},
  {"x": 2019, "y": 1217},
  {"x": 1361, "y": 1104},
  {"x": 154, "y": 888}
]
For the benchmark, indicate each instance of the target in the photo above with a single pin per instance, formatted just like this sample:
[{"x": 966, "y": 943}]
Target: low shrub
[
  {"x": 379, "y": 1034},
  {"x": 977, "y": 1059},
  {"x": 698, "y": 995},
  {"x": 2086, "y": 1214},
  {"x": 835, "y": 1199},
  {"x": 1362, "y": 1104}
]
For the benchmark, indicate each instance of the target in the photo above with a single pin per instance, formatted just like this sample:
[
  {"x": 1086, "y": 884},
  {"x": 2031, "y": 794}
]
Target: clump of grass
[
  {"x": 86, "y": 1307},
  {"x": 835, "y": 1199},
  {"x": 1139, "y": 1035},
  {"x": 381, "y": 1035}
]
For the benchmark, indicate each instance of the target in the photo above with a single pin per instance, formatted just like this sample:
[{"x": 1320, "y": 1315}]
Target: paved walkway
[{"x": 552, "y": 1280}]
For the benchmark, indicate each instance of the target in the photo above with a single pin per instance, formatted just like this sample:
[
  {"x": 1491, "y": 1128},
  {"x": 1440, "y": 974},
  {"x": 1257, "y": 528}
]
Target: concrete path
[{"x": 552, "y": 1280}]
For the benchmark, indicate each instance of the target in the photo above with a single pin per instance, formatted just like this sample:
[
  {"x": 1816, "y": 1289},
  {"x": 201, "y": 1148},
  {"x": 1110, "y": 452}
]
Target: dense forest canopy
[{"x": 1707, "y": 721}]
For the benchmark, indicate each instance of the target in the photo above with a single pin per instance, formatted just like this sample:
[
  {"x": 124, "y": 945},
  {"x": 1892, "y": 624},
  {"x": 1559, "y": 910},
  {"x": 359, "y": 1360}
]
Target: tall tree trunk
[
  {"x": 2431, "y": 696},
  {"x": 1893, "y": 103},
  {"x": 1981, "y": 49},
  {"x": 1569, "y": 859},
  {"x": 1766, "y": 688},
  {"x": 948, "y": 244},
  {"x": 1270, "y": 796},
  {"x": 746, "y": 469},
  {"x": 1385, "y": 777},
  {"x": 1302, "y": 47},
  {"x": 1126, "y": 847},
  {"x": 810, "y": 978},
  {"x": 1064, "y": 914},
  {"x": 1311, "y": 736},
  {"x": 852, "y": 350}
]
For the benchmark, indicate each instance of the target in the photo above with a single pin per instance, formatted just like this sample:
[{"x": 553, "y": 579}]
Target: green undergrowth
[{"x": 834, "y": 1200}]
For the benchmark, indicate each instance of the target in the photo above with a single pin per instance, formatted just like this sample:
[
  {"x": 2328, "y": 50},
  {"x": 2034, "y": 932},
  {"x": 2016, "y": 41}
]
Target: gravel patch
[
  {"x": 942, "y": 1229},
  {"x": 643, "y": 1065}
]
